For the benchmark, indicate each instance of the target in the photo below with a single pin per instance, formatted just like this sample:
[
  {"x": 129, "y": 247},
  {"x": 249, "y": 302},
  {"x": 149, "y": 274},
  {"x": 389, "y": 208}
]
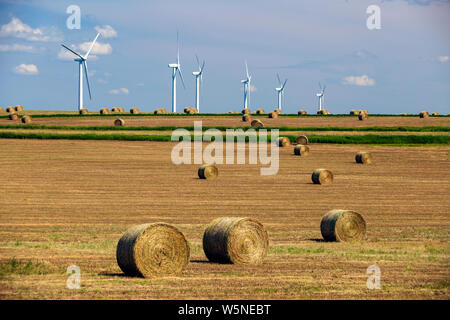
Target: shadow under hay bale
[
  {"x": 152, "y": 250},
  {"x": 208, "y": 171},
  {"x": 343, "y": 225},
  {"x": 236, "y": 240},
  {"x": 301, "y": 150},
  {"x": 322, "y": 176},
  {"x": 363, "y": 157}
]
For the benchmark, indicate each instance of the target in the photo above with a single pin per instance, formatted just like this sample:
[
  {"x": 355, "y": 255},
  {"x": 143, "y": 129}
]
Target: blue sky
[{"x": 402, "y": 67}]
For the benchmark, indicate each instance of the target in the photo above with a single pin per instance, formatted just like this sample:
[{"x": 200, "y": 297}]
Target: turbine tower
[
  {"x": 246, "y": 84},
  {"x": 82, "y": 64},
  {"x": 280, "y": 91},
  {"x": 198, "y": 76},
  {"x": 176, "y": 68},
  {"x": 320, "y": 95}
]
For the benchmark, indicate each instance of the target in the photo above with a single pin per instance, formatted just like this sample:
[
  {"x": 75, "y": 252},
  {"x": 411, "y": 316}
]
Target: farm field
[{"x": 68, "y": 202}]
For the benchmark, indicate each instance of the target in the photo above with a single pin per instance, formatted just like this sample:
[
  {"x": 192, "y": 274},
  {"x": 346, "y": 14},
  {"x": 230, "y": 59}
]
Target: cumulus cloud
[
  {"x": 443, "y": 59},
  {"x": 363, "y": 80},
  {"x": 26, "y": 69},
  {"x": 16, "y": 28},
  {"x": 16, "y": 47},
  {"x": 99, "y": 48},
  {"x": 106, "y": 31},
  {"x": 119, "y": 91}
]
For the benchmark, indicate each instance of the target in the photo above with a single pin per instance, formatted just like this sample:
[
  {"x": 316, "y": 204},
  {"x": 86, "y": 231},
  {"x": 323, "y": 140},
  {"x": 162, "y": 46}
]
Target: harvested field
[{"x": 73, "y": 200}]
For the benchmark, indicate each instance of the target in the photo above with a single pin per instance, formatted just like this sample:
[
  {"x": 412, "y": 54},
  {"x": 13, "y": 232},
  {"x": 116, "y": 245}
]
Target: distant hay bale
[
  {"x": 208, "y": 171},
  {"x": 323, "y": 112},
  {"x": 246, "y": 118},
  {"x": 26, "y": 119},
  {"x": 10, "y": 109},
  {"x": 424, "y": 114},
  {"x": 283, "y": 142},
  {"x": 119, "y": 122},
  {"x": 191, "y": 111},
  {"x": 354, "y": 112},
  {"x": 13, "y": 116},
  {"x": 257, "y": 124},
  {"x": 302, "y": 112},
  {"x": 363, "y": 158},
  {"x": 236, "y": 240},
  {"x": 246, "y": 111},
  {"x": 435, "y": 114},
  {"x": 233, "y": 112},
  {"x": 302, "y": 140},
  {"x": 104, "y": 111},
  {"x": 134, "y": 110},
  {"x": 273, "y": 115},
  {"x": 18, "y": 108},
  {"x": 159, "y": 111},
  {"x": 152, "y": 250},
  {"x": 363, "y": 116},
  {"x": 301, "y": 150},
  {"x": 84, "y": 111},
  {"x": 260, "y": 111},
  {"x": 403, "y": 114},
  {"x": 277, "y": 111},
  {"x": 115, "y": 109},
  {"x": 322, "y": 176},
  {"x": 343, "y": 225}
]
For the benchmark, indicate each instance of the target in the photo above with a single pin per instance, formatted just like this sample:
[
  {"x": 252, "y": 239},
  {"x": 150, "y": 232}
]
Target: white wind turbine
[
  {"x": 280, "y": 90},
  {"x": 247, "y": 87},
  {"x": 198, "y": 76},
  {"x": 82, "y": 62},
  {"x": 320, "y": 95},
  {"x": 176, "y": 68}
]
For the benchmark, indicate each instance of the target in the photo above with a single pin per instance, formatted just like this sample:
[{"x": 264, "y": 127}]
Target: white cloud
[
  {"x": 106, "y": 31},
  {"x": 443, "y": 59},
  {"x": 363, "y": 80},
  {"x": 119, "y": 91},
  {"x": 26, "y": 69},
  {"x": 99, "y": 48},
  {"x": 16, "y": 47},
  {"x": 18, "y": 29}
]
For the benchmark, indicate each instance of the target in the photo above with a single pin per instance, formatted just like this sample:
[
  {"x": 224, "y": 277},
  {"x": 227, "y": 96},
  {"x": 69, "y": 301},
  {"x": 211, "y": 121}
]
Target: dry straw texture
[
  {"x": 26, "y": 119},
  {"x": 104, "y": 111},
  {"x": 257, "y": 124},
  {"x": 302, "y": 112},
  {"x": 424, "y": 114},
  {"x": 119, "y": 122},
  {"x": 283, "y": 141},
  {"x": 260, "y": 111},
  {"x": 246, "y": 111},
  {"x": 322, "y": 176},
  {"x": 363, "y": 157},
  {"x": 301, "y": 150},
  {"x": 208, "y": 171},
  {"x": 84, "y": 111},
  {"x": 273, "y": 115},
  {"x": 18, "y": 108},
  {"x": 13, "y": 116},
  {"x": 246, "y": 118},
  {"x": 323, "y": 112},
  {"x": 152, "y": 250},
  {"x": 134, "y": 110},
  {"x": 302, "y": 140},
  {"x": 343, "y": 225},
  {"x": 236, "y": 240}
]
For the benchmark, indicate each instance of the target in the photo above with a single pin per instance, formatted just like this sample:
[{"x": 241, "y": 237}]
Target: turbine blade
[
  {"x": 92, "y": 45},
  {"x": 279, "y": 80},
  {"x": 203, "y": 66},
  {"x": 246, "y": 69},
  {"x": 323, "y": 90},
  {"x": 284, "y": 84},
  {"x": 198, "y": 62},
  {"x": 178, "y": 49},
  {"x": 320, "y": 86},
  {"x": 72, "y": 51},
  {"x": 87, "y": 78},
  {"x": 181, "y": 77}
]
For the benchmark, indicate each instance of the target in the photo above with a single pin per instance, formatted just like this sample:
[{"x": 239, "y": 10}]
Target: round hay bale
[
  {"x": 283, "y": 142},
  {"x": 159, "y": 111},
  {"x": 363, "y": 116},
  {"x": 186, "y": 110},
  {"x": 257, "y": 124},
  {"x": 302, "y": 140},
  {"x": 18, "y": 108},
  {"x": 10, "y": 109},
  {"x": 115, "y": 109},
  {"x": 208, "y": 171},
  {"x": 134, "y": 110},
  {"x": 354, "y": 112},
  {"x": 435, "y": 114},
  {"x": 119, "y": 122},
  {"x": 236, "y": 240},
  {"x": 277, "y": 111},
  {"x": 152, "y": 250},
  {"x": 191, "y": 111},
  {"x": 260, "y": 111},
  {"x": 322, "y": 176},
  {"x": 424, "y": 114},
  {"x": 84, "y": 111},
  {"x": 343, "y": 225},
  {"x": 13, "y": 116},
  {"x": 323, "y": 112},
  {"x": 246, "y": 118},
  {"x": 246, "y": 111},
  {"x": 301, "y": 150},
  {"x": 403, "y": 114},
  {"x": 363, "y": 158},
  {"x": 104, "y": 111},
  {"x": 302, "y": 112},
  {"x": 26, "y": 119},
  {"x": 273, "y": 115}
]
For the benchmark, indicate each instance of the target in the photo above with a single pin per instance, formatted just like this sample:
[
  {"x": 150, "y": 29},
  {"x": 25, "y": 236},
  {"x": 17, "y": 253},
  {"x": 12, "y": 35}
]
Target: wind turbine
[
  {"x": 247, "y": 87},
  {"x": 320, "y": 95},
  {"x": 176, "y": 68},
  {"x": 82, "y": 64},
  {"x": 198, "y": 76},
  {"x": 280, "y": 90}
]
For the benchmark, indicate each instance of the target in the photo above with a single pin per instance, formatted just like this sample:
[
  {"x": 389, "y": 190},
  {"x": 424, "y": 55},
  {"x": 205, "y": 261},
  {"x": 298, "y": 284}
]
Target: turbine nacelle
[
  {"x": 174, "y": 65},
  {"x": 196, "y": 73}
]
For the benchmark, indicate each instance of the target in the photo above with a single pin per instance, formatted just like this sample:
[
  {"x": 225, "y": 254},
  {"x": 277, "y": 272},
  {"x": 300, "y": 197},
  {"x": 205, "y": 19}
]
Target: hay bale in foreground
[
  {"x": 134, "y": 110},
  {"x": 301, "y": 150},
  {"x": 246, "y": 118},
  {"x": 283, "y": 142},
  {"x": 104, "y": 111},
  {"x": 152, "y": 250},
  {"x": 119, "y": 122},
  {"x": 343, "y": 225},
  {"x": 236, "y": 240},
  {"x": 18, "y": 108},
  {"x": 302, "y": 140},
  {"x": 322, "y": 176},
  {"x": 10, "y": 109},
  {"x": 363, "y": 157},
  {"x": 13, "y": 116},
  {"x": 246, "y": 111},
  {"x": 424, "y": 114},
  {"x": 208, "y": 171},
  {"x": 301, "y": 112},
  {"x": 363, "y": 116},
  {"x": 260, "y": 111},
  {"x": 83, "y": 111},
  {"x": 273, "y": 115},
  {"x": 26, "y": 119},
  {"x": 257, "y": 124}
]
